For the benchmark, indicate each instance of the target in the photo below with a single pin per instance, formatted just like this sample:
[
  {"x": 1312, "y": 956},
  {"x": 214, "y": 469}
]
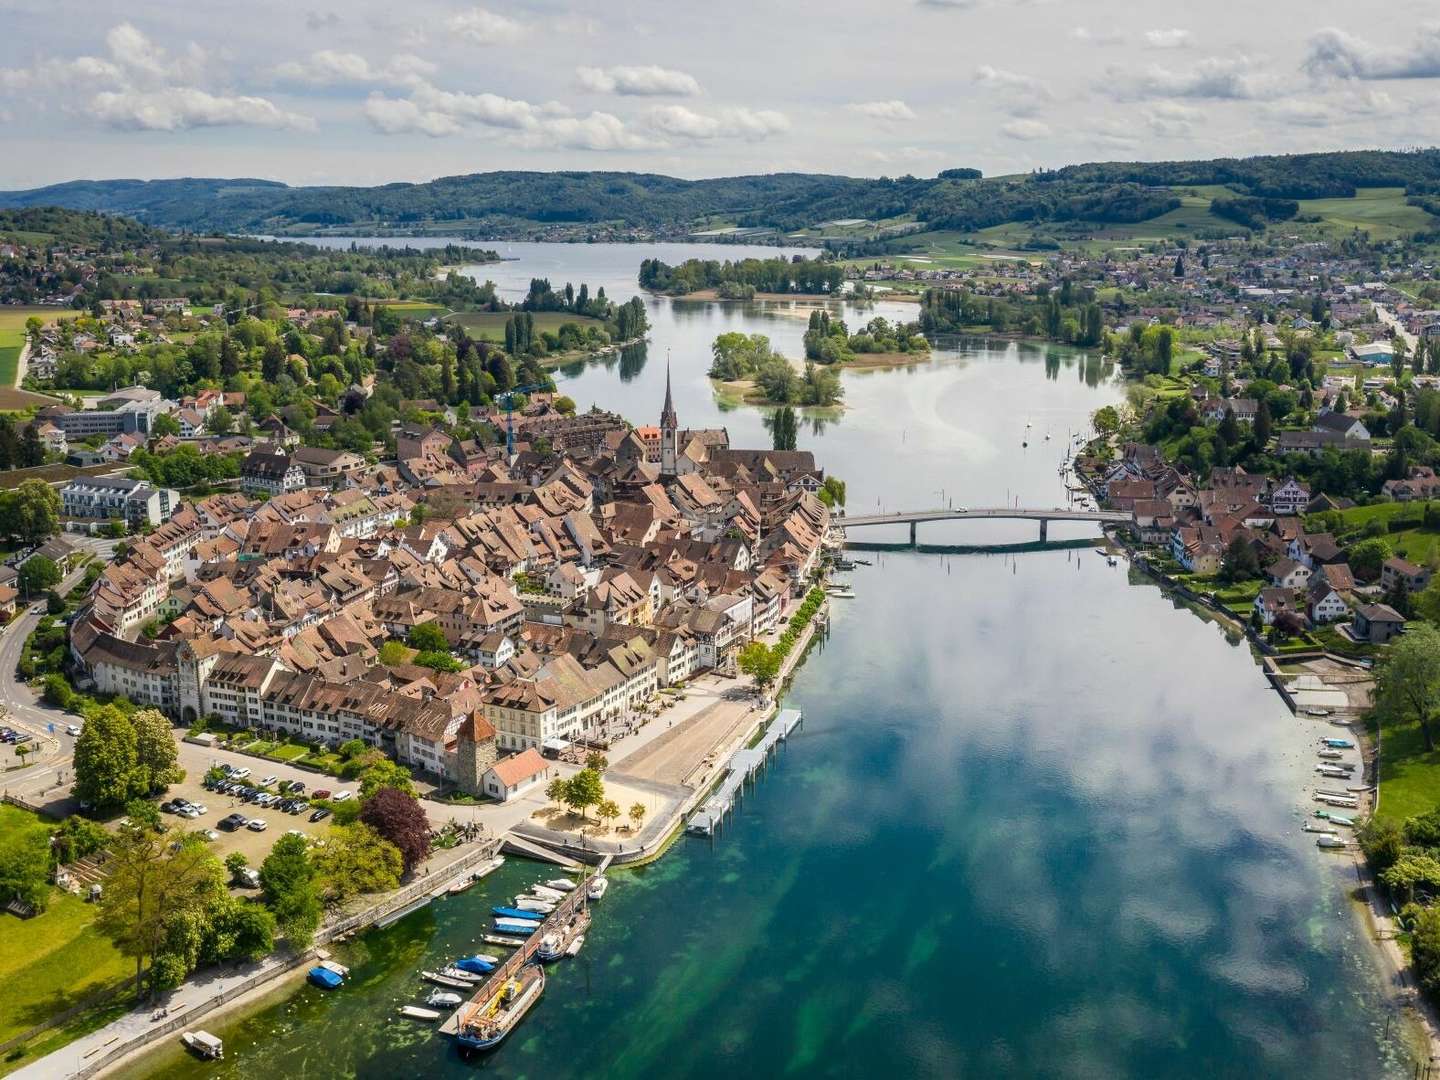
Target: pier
[
  {"x": 525, "y": 953},
  {"x": 743, "y": 764}
]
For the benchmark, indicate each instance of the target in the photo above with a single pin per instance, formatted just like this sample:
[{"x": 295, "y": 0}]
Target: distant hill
[{"x": 517, "y": 203}]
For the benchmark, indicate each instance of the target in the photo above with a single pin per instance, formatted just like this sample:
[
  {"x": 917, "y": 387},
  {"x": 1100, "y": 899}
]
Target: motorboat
[
  {"x": 210, "y": 1047},
  {"x": 544, "y": 892},
  {"x": 1331, "y": 755},
  {"x": 324, "y": 978},
  {"x": 415, "y": 1012},
  {"x": 517, "y": 913},
  {"x": 459, "y": 974},
  {"x": 556, "y": 943},
  {"x": 563, "y": 884},
  {"x": 1331, "y": 843},
  {"x": 1315, "y": 710},
  {"x": 516, "y": 926},
  {"x": 532, "y": 903},
  {"x": 501, "y": 939},
  {"x": 440, "y": 979},
  {"x": 446, "y": 999},
  {"x": 597, "y": 887},
  {"x": 1339, "y": 744},
  {"x": 475, "y": 965},
  {"x": 573, "y": 948}
]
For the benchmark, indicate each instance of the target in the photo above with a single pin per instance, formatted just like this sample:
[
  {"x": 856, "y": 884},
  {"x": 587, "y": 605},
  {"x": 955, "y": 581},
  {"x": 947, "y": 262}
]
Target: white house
[{"x": 511, "y": 777}]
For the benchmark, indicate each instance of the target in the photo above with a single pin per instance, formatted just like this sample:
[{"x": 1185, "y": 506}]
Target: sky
[{"x": 323, "y": 92}]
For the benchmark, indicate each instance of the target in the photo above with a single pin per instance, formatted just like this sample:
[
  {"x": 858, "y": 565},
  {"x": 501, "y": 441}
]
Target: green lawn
[
  {"x": 1382, "y": 212},
  {"x": 53, "y": 961},
  {"x": 1409, "y": 774},
  {"x": 490, "y": 325}
]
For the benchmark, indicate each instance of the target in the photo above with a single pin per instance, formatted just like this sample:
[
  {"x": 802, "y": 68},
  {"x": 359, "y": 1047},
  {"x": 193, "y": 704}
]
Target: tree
[
  {"x": 31, "y": 512},
  {"x": 597, "y": 761},
  {"x": 584, "y": 789},
  {"x": 106, "y": 759},
  {"x": 1262, "y": 425},
  {"x": 428, "y": 637},
  {"x": 783, "y": 429},
  {"x": 637, "y": 814},
  {"x": 1368, "y": 556},
  {"x": 235, "y": 864},
  {"x": 25, "y": 865},
  {"x": 1410, "y": 871},
  {"x": 39, "y": 573},
  {"x": 155, "y": 750},
  {"x": 1407, "y": 685},
  {"x": 287, "y": 877},
  {"x": 400, "y": 819},
  {"x": 832, "y": 492},
  {"x": 1425, "y": 948},
  {"x": 608, "y": 810},
  {"x": 163, "y": 425},
  {"x": 220, "y": 421},
  {"x": 761, "y": 663},
  {"x": 356, "y": 859},
  {"x": 1240, "y": 562},
  {"x": 159, "y": 885},
  {"x": 557, "y": 790}
]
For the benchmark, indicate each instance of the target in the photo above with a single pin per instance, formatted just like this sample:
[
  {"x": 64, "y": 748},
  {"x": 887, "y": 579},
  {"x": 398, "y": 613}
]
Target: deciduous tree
[{"x": 399, "y": 818}]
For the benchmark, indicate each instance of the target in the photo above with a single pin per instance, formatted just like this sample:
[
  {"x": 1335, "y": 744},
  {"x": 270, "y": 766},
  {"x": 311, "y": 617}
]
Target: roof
[{"x": 520, "y": 767}]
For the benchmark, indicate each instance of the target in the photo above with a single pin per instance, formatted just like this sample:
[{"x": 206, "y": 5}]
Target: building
[
  {"x": 513, "y": 776},
  {"x": 135, "y": 502},
  {"x": 133, "y": 409},
  {"x": 271, "y": 473},
  {"x": 669, "y": 431},
  {"x": 1402, "y": 572},
  {"x": 1377, "y": 623}
]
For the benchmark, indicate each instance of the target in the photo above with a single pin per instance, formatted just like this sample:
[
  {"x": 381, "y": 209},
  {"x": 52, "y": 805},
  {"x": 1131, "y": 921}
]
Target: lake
[{"x": 1039, "y": 821}]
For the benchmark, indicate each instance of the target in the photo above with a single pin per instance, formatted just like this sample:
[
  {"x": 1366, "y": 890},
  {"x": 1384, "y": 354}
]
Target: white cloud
[
  {"x": 1167, "y": 39},
  {"x": 1215, "y": 77},
  {"x": 904, "y": 154},
  {"x": 1025, "y": 130},
  {"x": 1333, "y": 52},
  {"x": 1171, "y": 120},
  {"x": 729, "y": 123},
  {"x": 329, "y": 68},
  {"x": 179, "y": 108},
  {"x": 647, "y": 81},
  {"x": 1000, "y": 79},
  {"x": 1097, "y": 37},
  {"x": 883, "y": 110},
  {"x": 481, "y": 27}
]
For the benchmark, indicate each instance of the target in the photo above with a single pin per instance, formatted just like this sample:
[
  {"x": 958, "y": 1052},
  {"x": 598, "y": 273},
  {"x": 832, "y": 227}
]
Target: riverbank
[{"x": 732, "y": 393}]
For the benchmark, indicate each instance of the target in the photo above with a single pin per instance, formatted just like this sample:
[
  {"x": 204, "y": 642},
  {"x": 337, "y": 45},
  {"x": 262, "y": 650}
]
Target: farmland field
[
  {"x": 490, "y": 325},
  {"x": 1382, "y": 212},
  {"x": 12, "y": 340}
]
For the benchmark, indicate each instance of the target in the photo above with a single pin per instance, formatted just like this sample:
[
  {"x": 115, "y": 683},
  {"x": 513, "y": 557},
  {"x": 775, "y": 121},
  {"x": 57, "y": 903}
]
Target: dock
[
  {"x": 742, "y": 765},
  {"x": 525, "y": 954}
]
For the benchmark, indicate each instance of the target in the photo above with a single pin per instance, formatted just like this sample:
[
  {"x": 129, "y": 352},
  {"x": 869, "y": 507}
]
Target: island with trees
[
  {"x": 744, "y": 279},
  {"x": 744, "y": 366}
]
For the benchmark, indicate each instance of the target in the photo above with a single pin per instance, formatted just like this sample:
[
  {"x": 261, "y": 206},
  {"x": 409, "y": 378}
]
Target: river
[{"x": 1039, "y": 820}]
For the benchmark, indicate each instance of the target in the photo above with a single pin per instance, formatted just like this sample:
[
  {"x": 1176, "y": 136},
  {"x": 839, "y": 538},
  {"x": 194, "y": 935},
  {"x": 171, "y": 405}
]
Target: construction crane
[{"x": 508, "y": 398}]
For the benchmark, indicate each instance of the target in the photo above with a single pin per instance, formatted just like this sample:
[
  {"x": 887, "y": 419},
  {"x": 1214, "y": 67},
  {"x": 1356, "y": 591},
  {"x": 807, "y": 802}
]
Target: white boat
[
  {"x": 1331, "y": 755},
  {"x": 1321, "y": 829},
  {"x": 490, "y": 867},
  {"x": 208, "y": 1046},
  {"x": 561, "y": 883},
  {"x": 445, "y": 980},
  {"x": 596, "y": 889},
  {"x": 541, "y": 892},
  {"x": 1315, "y": 710},
  {"x": 415, "y": 1012},
  {"x": 460, "y": 975},
  {"x": 1330, "y": 842},
  {"x": 529, "y": 903},
  {"x": 574, "y": 946},
  {"x": 1338, "y": 800},
  {"x": 447, "y": 999},
  {"x": 1332, "y": 771},
  {"x": 502, "y": 939}
]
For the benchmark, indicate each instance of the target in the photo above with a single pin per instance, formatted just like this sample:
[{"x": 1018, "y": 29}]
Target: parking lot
[{"x": 254, "y": 845}]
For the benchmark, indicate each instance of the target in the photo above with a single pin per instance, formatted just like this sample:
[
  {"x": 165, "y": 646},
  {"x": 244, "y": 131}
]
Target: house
[
  {"x": 1290, "y": 497},
  {"x": 1270, "y": 604},
  {"x": 1289, "y": 574},
  {"x": 1402, "y": 572},
  {"x": 1341, "y": 424},
  {"x": 1376, "y": 623},
  {"x": 1315, "y": 549},
  {"x": 511, "y": 777},
  {"x": 99, "y": 498},
  {"x": 270, "y": 473},
  {"x": 1328, "y": 606}
]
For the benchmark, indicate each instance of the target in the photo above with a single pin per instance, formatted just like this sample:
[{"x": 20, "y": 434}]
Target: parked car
[
  {"x": 320, "y": 815},
  {"x": 341, "y": 796},
  {"x": 321, "y": 794},
  {"x": 73, "y": 730},
  {"x": 297, "y": 786},
  {"x": 240, "y": 773},
  {"x": 256, "y": 824},
  {"x": 211, "y": 835},
  {"x": 231, "y": 823},
  {"x": 268, "y": 781}
]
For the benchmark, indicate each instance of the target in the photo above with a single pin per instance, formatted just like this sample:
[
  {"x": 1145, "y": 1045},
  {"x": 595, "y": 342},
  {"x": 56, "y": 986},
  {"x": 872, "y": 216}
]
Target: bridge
[{"x": 993, "y": 513}]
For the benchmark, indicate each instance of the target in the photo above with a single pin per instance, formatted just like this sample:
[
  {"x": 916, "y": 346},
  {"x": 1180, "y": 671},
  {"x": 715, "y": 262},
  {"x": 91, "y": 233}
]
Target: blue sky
[{"x": 313, "y": 91}]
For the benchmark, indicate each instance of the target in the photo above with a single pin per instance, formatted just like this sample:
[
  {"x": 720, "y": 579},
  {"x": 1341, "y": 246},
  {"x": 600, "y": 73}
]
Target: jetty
[
  {"x": 742, "y": 765},
  {"x": 525, "y": 953}
]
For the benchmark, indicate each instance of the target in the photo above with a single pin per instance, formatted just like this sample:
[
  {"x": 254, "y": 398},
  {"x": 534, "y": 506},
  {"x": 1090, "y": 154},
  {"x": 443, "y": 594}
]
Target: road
[
  {"x": 1389, "y": 318},
  {"x": 23, "y": 709}
]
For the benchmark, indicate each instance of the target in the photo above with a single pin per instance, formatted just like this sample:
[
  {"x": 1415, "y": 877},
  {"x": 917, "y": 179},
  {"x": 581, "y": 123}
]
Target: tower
[{"x": 669, "y": 430}]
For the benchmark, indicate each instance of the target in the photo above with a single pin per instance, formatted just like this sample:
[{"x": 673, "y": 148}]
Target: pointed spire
[{"x": 668, "y": 420}]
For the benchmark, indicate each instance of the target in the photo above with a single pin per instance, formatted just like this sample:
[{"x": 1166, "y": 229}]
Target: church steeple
[{"x": 668, "y": 420}]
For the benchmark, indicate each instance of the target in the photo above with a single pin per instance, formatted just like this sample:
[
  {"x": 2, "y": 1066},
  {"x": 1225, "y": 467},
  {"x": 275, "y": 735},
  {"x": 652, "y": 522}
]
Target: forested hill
[{"x": 514, "y": 203}]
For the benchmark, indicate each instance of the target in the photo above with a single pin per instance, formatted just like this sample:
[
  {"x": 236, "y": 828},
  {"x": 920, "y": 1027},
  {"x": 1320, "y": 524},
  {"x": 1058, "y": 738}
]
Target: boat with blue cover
[
  {"x": 516, "y": 926},
  {"x": 517, "y": 913},
  {"x": 475, "y": 965},
  {"x": 324, "y": 978},
  {"x": 1339, "y": 744}
]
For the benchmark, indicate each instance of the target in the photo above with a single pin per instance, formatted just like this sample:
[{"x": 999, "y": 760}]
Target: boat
[
  {"x": 564, "y": 884},
  {"x": 841, "y": 592},
  {"x": 485, "y": 1024},
  {"x": 517, "y": 913},
  {"x": 844, "y": 564},
  {"x": 210, "y": 1047},
  {"x": 544, "y": 892},
  {"x": 460, "y": 886},
  {"x": 1333, "y": 771},
  {"x": 863, "y": 562},
  {"x": 445, "y": 980},
  {"x": 1340, "y": 819},
  {"x": 502, "y": 939},
  {"x": 573, "y": 948},
  {"x": 446, "y": 999},
  {"x": 459, "y": 974},
  {"x": 555, "y": 943},
  {"x": 516, "y": 926},
  {"x": 1315, "y": 710},
  {"x": 1339, "y": 744},
  {"x": 476, "y": 965},
  {"x": 1338, "y": 800},
  {"x": 490, "y": 867},
  {"x": 534, "y": 905},
  {"x": 414, "y": 1012},
  {"x": 1310, "y": 826},
  {"x": 324, "y": 978},
  {"x": 1330, "y": 842},
  {"x": 597, "y": 886},
  {"x": 1331, "y": 755}
]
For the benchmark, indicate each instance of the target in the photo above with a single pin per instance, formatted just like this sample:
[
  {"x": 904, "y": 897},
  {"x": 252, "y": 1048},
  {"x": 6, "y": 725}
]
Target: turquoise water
[{"x": 1039, "y": 821}]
